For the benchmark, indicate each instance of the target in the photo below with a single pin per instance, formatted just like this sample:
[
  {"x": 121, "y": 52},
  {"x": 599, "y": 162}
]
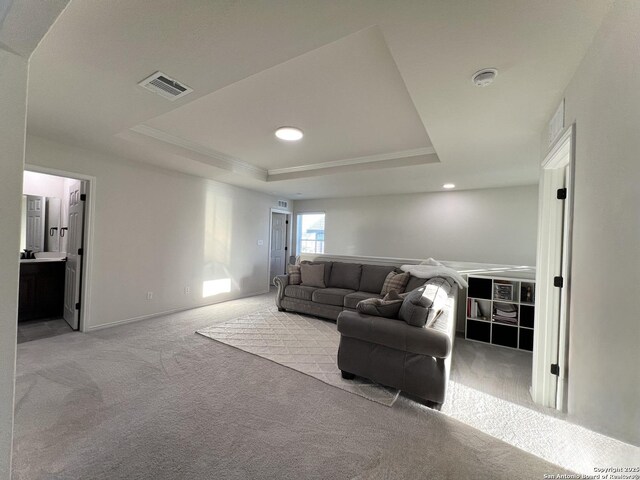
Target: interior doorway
[
  {"x": 279, "y": 242},
  {"x": 551, "y": 340},
  {"x": 52, "y": 253}
]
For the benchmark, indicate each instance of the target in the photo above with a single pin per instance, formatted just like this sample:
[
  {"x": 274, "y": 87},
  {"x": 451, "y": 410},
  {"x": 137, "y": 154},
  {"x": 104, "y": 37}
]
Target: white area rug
[
  {"x": 310, "y": 345},
  {"x": 306, "y": 344}
]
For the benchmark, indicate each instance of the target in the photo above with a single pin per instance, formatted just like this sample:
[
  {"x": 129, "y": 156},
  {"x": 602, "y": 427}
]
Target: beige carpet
[
  {"x": 310, "y": 345},
  {"x": 300, "y": 342},
  {"x": 152, "y": 400}
]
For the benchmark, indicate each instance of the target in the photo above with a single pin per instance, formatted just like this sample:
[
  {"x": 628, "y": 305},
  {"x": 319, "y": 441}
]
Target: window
[{"x": 310, "y": 233}]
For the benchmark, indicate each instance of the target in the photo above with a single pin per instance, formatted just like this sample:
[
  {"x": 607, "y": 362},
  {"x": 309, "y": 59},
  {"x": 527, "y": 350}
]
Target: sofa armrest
[
  {"x": 395, "y": 334},
  {"x": 280, "y": 281}
]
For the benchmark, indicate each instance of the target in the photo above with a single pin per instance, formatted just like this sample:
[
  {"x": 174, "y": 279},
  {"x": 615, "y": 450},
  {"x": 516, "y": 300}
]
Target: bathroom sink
[
  {"x": 50, "y": 255},
  {"x": 46, "y": 257}
]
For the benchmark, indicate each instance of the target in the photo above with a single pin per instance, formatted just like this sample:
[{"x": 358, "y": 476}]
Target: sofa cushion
[
  {"x": 395, "y": 281},
  {"x": 312, "y": 275},
  {"x": 294, "y": 274},
  {"x": 345, "y": 275},
  {"x": 331, "y": 296},
  {"x": 414, "y": 282},
  {"x": 373, "y": 277},
  {"x": 387, "y": 307},
  {"x": 351, "y": 300},
  {"x": 299, "y": 291}
]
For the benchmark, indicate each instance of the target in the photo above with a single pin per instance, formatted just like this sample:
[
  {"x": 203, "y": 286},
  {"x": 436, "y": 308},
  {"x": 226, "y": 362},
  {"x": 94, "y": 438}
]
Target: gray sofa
[
  {"x": 388, "y": 351},
  {"x": 346, "y": 284}
]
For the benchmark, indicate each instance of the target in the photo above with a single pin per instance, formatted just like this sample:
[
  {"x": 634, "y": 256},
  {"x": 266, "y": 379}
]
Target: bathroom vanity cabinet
[{"x": 41, "y": 289}]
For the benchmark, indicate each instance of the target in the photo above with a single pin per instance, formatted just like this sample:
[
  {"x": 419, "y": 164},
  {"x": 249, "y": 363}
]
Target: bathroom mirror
[{"x": 41, "y": 224}]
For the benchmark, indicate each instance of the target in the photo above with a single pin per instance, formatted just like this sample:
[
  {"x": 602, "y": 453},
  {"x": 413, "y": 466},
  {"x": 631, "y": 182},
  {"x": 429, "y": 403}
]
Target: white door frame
[
  {"x": 89, "y": 225},
  {"x": 289, "y": 214},
  {"x": 551, "y": 337}
]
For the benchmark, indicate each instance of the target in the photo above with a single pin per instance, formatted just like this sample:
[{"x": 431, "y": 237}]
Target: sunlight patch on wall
[
  {"x": 217, "y": 233},
  {"x": 215, "y": 287}
]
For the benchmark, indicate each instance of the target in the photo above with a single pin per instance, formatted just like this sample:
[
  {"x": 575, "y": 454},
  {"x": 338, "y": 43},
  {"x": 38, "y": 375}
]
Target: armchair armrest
[{"x": 395, "y": 334}]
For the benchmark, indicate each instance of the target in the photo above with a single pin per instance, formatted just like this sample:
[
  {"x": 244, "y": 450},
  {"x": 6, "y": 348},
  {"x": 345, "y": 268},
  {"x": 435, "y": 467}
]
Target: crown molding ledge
[
  {"x": 235, "y": 165},
  {"x": 354, "y": 161},
  {"x": 220, "y": 160}
]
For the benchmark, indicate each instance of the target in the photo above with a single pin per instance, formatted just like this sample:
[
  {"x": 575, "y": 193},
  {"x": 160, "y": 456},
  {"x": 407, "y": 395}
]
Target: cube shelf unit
[{"x": 500, "y": 310}]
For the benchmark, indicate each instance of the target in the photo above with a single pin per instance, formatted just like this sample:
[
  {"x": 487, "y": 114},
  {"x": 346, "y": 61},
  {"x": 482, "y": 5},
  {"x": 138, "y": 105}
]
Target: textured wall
[
  {"x": 13, "y": 78},
  {"x": 489, "y": 226},
  {"x": 159, "y": 231},
  {"x": 603, "y": 100}
]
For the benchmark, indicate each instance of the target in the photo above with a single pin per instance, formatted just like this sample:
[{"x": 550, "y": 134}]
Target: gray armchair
[{"x": 391, "y": 352}]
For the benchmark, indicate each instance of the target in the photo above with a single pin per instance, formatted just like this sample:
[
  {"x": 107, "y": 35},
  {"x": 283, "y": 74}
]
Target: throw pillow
[
  {"x": 312, "y": 275},
  {"x": 412, "y": 310},
  {"x": 386, "y": 307},
  {"x": 327, "y": 269},
  {"x": 395, "y": 281},
  {"x": 436, "y": 292},
  {"x": 422, "y": 306},
  {"x": 294, "y": 274}
]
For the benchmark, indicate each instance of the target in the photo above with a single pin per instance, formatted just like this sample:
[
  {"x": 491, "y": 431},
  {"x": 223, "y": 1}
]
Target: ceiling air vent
[{"x": 165, "y": 86}]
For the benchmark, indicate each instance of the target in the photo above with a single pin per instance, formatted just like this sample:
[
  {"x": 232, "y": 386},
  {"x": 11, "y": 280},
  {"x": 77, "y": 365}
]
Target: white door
[
  {"x": 52, "y": 225},
  {"x": 278, "y": 244},
  {"x": 35, "y": 223},
  {"x": 550, "y": 343},
  {"x": 74, "y": 254}
]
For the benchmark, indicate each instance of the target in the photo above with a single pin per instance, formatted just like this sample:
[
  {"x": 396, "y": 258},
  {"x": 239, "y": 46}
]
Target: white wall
[
  {"x": 159, "y": 231},
  {"x": 603, "y": 100},
  {"x": 488, "y": 226},
  {"x": 13, "y": 78},
  {"x": 43, "y": 185}
]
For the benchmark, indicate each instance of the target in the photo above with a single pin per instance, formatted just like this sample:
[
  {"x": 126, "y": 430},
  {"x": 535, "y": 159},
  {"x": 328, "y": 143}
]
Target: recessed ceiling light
[
  {"x": 484, "y": 77},
  {"x": 290, "y": 134},
  {"x": 448, "y": 186}
]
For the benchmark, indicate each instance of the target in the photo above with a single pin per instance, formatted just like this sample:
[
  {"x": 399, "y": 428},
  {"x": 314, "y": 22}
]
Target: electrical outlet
[
  {"x": 149, "y": 295},
  {"x": 260, "y": 242},
  {"x": 187, "y": 290}
]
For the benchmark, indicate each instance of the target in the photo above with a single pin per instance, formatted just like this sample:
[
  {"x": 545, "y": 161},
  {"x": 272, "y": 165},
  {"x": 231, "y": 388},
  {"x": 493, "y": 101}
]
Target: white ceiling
[
  {"x": 23, "y": 23},
  {"x": 382, "y": 90}
]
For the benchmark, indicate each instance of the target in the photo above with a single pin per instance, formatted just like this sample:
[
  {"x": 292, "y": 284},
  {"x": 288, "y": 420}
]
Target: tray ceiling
[{"x": 382, "y": 90}]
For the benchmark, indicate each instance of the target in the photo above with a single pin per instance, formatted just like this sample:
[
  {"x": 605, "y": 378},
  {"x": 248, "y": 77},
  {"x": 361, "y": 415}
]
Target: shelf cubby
[
  {"x": 481, "y": 310},
  {"x": 490, "y": 303}
]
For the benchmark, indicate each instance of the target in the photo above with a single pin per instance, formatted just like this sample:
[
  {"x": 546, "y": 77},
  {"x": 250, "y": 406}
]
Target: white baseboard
[{"x": 168, "y": 312}]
